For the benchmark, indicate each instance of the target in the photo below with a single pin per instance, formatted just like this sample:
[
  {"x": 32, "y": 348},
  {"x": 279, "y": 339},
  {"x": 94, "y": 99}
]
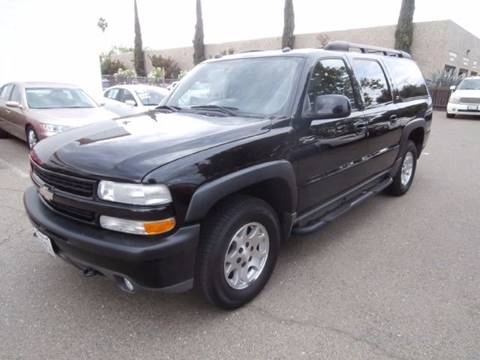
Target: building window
[
  {"x": 449, "y": 70},
  {"x": 452, "y": 56},
  {"x": 462, "y": 73},
  {"x": 473, "y": 73}
]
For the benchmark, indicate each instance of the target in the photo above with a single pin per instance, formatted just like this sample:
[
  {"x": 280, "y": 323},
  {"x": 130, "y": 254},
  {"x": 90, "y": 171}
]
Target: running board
[{"x": 340, "y": 210}]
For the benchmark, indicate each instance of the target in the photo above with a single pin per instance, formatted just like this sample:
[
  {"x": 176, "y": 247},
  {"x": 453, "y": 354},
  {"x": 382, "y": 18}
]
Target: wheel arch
[
  {"x": 273, "y": 182},
  {"x": 414, "y": 131}
]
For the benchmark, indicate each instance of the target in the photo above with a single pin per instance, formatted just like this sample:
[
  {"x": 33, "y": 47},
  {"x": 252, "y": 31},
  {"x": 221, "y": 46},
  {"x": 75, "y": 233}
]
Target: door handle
[{"x": 360, "y": 125}]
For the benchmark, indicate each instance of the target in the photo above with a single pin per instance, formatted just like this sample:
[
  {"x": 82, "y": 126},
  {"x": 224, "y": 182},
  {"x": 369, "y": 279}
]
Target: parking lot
[{"x": 396, "y": 278}]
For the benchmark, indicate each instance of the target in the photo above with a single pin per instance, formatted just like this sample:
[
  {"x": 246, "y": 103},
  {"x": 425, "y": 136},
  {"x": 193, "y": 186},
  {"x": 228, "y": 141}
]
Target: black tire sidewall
[
  {"x": 412, "y": 149},
  {"x": 223, "y": 294}
]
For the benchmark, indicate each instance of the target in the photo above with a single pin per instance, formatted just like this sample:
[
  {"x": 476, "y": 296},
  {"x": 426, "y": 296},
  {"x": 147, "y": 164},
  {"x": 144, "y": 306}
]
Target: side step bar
[{"x": 343, "y": 208}]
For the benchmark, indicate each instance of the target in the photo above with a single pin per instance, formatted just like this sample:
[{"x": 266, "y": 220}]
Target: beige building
[{"x": 438, "y": 46}]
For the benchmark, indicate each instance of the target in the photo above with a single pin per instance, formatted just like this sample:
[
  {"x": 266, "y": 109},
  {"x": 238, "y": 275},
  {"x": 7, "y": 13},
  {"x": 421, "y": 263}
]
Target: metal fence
[
  {"x": 111, "y": 80},
  {"x": 440, "y": 96}
]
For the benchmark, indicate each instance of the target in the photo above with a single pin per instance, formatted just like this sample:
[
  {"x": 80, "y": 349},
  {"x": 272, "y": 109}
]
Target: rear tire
[
  {"x": 238, "y": 250},
  {"x": 404, "y": 177},
  {"x": 450, "y": 116}
]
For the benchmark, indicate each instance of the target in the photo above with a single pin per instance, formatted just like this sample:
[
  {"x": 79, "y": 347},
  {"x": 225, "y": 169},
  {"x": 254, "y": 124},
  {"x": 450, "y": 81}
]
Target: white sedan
[
  {"x": 133, "y": 99},
  {"x": 465, "y": 100}
]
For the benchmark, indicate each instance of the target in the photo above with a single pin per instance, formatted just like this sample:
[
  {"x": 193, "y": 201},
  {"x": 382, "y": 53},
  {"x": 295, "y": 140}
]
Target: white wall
[{"x": 50, "y": 40}]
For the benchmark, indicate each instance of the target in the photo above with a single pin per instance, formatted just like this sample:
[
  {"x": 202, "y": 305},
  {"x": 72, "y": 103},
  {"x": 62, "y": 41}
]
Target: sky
[{"x": 170, "y": 23}]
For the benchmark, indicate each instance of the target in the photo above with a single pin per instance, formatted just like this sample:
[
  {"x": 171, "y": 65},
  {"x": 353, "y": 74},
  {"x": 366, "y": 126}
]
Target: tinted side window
[
  {"x": 407, "y": 77},
  {"x": 370, "y": 75},
  {"x": 329, "y": 77}
]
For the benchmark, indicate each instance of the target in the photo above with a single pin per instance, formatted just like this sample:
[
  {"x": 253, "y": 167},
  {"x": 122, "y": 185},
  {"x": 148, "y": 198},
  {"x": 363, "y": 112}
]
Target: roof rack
[{"x": 365, "y": 49}]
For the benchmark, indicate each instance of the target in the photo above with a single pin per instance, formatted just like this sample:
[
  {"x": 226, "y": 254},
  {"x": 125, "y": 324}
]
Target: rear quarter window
[{"x": 407, "y": 78}]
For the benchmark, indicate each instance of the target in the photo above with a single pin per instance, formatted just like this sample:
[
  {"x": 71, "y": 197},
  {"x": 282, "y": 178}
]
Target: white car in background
[
  {"x": 465, "y": 98},
  {"x": 133, "y": 99}
]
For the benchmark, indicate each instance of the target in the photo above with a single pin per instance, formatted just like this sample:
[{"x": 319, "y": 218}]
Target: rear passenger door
[
  {"x": 381, "y": 114},
  {"x": 16, "y": 116},
  {"x": 5, "y": 92}
]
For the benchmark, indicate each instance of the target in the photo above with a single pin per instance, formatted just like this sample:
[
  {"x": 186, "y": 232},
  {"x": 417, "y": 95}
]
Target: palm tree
[
  {"x": 138, "y": 56},
  {"x": 198, "y": 45},
  {"x": 404, "y": 32},
  {"x": 288, "y": 39}
]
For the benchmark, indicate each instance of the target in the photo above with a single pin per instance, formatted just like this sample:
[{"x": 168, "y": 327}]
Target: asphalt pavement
[{"x": 395, "y": 278}]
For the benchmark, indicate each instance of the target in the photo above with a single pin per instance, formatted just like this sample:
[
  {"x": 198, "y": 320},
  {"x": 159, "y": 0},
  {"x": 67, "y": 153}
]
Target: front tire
[
  {"x": 32, "y": 138},
  {"x": 404, "y": 177},
  {"x": 238, "y": 250},
  {"x": 450, "y": 116}
]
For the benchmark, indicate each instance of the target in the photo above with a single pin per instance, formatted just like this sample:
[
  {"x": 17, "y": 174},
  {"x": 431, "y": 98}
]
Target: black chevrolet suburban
[{"x": 247, "y": 150}]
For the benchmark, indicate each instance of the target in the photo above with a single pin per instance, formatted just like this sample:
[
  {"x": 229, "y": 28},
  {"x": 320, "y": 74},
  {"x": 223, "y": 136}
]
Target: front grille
[
  {"x": 70, "y": 184},
  {"x": 468, "y": 100},
  {"x": 73, "y": 212}
]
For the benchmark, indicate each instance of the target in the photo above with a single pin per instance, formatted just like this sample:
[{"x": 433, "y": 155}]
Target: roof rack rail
[{"x": 365, "y": 49}]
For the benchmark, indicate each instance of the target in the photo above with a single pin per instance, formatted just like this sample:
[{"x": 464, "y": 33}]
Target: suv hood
[
  {"x": 467, "y": 93},
  {"x": 128, "y": 148}
]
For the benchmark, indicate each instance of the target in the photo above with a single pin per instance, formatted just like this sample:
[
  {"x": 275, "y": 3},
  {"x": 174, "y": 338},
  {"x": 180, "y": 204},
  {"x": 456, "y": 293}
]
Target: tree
[
  {"x": 198, "y": 45},
  {"x": 170, "y": 66},
  {"x": 404, "y": 32},
  {"x": 138, "y": 56},
  {"x": 102, "y": 24},
  {"x": 288, "y": 39}
]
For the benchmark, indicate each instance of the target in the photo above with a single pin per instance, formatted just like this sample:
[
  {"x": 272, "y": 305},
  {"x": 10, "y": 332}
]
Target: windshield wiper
[
  {"x": 167, "y": 108},
  {"x": 229, "y": 110}
]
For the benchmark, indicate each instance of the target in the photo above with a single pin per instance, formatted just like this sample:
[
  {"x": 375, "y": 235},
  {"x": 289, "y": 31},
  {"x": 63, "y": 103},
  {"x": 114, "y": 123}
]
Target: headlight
[
  {"x": 454, "y": 99},
  {"x": 134, "y": 194},
  {"x": 54, "y": 129}
]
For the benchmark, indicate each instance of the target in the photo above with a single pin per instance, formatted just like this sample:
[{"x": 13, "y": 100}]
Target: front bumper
[
  {"x": 463, "y": 109},
  {"x": 148, "y": 262}
]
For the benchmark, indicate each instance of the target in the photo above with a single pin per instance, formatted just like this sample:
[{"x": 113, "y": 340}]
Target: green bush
[
  {"x": 170, "y": 66},
  {"x": 111, "y": 66},
  {"x": 157, "y": 74}
]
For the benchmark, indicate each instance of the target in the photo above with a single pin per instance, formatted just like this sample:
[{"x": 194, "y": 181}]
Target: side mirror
[
  {"x": 14, "y": 104},
  {"x": 453, "y": 87},
  {"x": 130, "y": 102},
  {"x": 329, "y": 107}
]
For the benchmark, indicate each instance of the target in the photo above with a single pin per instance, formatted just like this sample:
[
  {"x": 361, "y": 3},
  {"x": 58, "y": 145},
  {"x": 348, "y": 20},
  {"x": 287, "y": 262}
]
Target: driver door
[{"x": 330, "y": 153}]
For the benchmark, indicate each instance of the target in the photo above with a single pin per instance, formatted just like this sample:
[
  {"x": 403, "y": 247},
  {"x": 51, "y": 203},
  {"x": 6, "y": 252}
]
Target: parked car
[
  {"x": 465, "y": 98},
  {"x": 202, "y": 194},
  {"x": 133, "y": 99},
  {"x": 33, "y": 111}
]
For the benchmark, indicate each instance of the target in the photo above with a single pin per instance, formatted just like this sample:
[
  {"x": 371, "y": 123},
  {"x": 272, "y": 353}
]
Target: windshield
[
  {"x": 57, "y": 98},
  {"x": 149, "y": 97},
  {"x": 469, "y": 84},
  {"x": 255, "y": 86}
]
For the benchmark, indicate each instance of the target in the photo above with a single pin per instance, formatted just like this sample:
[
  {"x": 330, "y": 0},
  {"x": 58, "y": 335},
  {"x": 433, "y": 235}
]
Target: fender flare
[
  {"x": 407, "y": 130},
  {"x": 207, "y": 195}
]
